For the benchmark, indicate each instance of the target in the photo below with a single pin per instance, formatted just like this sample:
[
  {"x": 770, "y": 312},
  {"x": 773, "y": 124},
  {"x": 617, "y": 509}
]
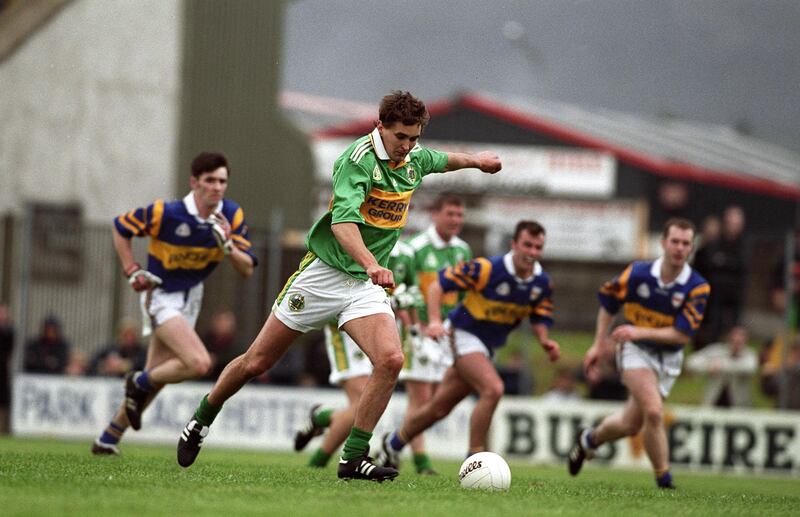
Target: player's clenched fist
[
  {"x": 489, "y": 162},
  {"x": 221, "y": 229},
  {"x": 381, "y": 276}
]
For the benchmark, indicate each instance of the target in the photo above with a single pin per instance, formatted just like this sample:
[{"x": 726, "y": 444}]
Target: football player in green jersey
[{"x": 344, "y": 274}]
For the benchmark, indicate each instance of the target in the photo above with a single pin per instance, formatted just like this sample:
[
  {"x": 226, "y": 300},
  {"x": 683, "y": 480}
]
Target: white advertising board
[{"x": 523, "y": 429}]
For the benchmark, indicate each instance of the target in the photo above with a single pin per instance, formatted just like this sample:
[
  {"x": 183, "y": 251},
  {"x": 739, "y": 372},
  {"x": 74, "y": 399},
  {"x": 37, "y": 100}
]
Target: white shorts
[
  {"x": 426, "y": 359},
  {"x": 467, "y": 343},
  {"x": 345, "y": 357},
  {"x": 318, "y": 293},
  {"x": 665, "y": 363},
  {"x": 158, "y": 306}
]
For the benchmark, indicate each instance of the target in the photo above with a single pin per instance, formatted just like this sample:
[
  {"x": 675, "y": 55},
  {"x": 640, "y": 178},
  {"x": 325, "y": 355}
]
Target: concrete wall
[{"x": 90, "y": 106}]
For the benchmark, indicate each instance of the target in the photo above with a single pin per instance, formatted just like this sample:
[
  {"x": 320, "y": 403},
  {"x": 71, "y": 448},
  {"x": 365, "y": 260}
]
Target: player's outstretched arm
[
  {"x": 485, "y": 161},
  {"x": 596, "y": 351},
  {"x": 435, "y": 327},
  {"x": 667, "y": 335}
]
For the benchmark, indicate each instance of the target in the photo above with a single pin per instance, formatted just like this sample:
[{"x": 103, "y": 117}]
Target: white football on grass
[{"x": 485, "y": 470}]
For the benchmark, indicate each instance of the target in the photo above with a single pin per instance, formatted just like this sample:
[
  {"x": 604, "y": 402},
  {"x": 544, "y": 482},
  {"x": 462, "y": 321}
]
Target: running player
[
  {"x": 344, "y": 274},
  {"x": 501, "y": 291},
  {"x": 662, "y": 304},
  {"x": 188, "y": 239}
]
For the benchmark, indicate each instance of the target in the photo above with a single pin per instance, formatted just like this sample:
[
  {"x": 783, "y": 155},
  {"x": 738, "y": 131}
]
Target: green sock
[
  {"x": 206, "y": 413},
  {"x": 322, "y": 418},
  {"x": 319, "y": 459},
  {"x": 357, "y": 444},
  {"x": 422, "y": 461}
]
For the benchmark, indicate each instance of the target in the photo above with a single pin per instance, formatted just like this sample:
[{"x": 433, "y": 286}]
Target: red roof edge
[{"x": 658, "y": 166}]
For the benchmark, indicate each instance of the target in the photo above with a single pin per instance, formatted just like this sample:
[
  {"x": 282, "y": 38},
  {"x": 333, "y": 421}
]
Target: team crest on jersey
[
  {"x": 535, "y": 292},
  {"x": 677, "y": 299},
  {"x": 503, "y": 289},
  {"x": 643, "y": 291},
  {"x": 376, "y": 174},
  {"x": 183, "y": 230},
  {"x": 411, "y": 173},
  {"x": 431, "y": 262},
  {"x": 297, "y": 302}
]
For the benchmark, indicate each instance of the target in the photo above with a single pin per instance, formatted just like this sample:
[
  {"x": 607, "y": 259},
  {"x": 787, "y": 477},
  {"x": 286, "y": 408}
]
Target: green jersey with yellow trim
[
  {"x": 401, "y": 262},
  {"x": 431, "y": 255},
  {"x": 374, "y": 192}
]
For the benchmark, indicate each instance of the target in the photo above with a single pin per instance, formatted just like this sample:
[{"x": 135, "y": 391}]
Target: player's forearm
[
  {"x": 349, "y": 237},
  {"x": 457, "y": 161},
  {"x": 242, "y": 262},
  {"x": 541, "y": 332},
  {"x": 602, "y": 325},
  {"x": 124, "y": 250},
  {"x": 434, "y": 302}
]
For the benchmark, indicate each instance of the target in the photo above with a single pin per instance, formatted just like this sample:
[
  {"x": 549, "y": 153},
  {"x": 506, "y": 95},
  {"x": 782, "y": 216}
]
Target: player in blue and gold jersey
[
  {"x": 500, "y": 292},
  {"x": 662, "y": 304},
  {"x": 188, "y": 239}
]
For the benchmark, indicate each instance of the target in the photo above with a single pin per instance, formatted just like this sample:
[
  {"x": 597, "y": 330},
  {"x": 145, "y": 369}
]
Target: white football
[{"x": 485, "y": 470}]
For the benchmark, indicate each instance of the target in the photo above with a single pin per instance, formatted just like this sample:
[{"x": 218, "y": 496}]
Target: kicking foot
[{"x": 190, "y": 442}]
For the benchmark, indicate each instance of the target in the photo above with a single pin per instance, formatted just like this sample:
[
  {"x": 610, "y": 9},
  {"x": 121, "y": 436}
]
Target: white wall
[{"x": 89, "y": 108}]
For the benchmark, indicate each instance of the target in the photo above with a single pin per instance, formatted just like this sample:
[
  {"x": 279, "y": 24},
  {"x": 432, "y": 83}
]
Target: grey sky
[{"x": 720, "y": 61}]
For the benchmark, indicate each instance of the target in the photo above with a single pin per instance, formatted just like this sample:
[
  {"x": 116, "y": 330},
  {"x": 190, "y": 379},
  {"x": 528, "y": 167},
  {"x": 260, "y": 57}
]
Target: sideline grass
[{"x": 43, "y": 477}]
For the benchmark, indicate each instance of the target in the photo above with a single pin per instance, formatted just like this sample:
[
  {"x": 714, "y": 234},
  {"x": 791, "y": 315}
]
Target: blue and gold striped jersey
[
  {"x": 647, "y": 302},
  {"x": 497, "y": 299},
  {"x": 182, "y": 250}
]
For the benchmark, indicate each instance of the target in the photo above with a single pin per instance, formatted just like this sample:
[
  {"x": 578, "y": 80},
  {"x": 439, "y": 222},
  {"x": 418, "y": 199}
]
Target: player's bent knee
[
  {"x": 653, "y": 415},
  {"x": 391, "y": 362},
  {"x": 200, "y": 365}
]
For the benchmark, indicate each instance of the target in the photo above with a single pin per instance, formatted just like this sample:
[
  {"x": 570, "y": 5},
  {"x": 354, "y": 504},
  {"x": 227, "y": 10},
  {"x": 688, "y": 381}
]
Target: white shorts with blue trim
[
  {"x": 158, "y": 306},
  {"x": 665, "y": 363}
]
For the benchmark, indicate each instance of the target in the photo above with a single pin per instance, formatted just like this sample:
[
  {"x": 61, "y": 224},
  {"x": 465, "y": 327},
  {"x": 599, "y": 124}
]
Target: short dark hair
[
  {"x": 446, "y": 198},
  {"x": 678, "y": 222},
  {"x": 531, "y": 227},
  {"x": 208, "y": 162},
  {"x": 400, "y": 106}
]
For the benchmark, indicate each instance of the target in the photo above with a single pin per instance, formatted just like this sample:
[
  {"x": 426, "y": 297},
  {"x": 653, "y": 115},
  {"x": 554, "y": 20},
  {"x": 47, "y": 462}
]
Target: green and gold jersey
[
  {"x": 401, "y": 262},
  {"x": 431, "y": 255},
  {"x": 374, "y": 192}
]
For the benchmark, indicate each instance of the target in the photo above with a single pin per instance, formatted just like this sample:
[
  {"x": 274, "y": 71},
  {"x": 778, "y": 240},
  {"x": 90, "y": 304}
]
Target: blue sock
[
  {"x": 143, "y": 381},
  {"x": 109, "y": 438},
  {"x": 395, "y": 442}
]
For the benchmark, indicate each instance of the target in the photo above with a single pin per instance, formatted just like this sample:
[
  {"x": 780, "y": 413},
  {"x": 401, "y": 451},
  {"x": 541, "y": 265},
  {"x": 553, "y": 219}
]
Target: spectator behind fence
[
  {"x": 123, "y": 354},
  {"x": 778, "y": 294},
  {"x": 6, "y": 348},
  {"x": 49, "y": 352},
  {"x": 724, "y": 264},
  {"x": 220, "y": 341},
  {"x": 729, "y": 367},
  {"x": 564, "y": 386}
]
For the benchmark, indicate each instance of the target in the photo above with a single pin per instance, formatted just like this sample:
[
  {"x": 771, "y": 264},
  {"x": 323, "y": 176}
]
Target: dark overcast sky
[{"x": 719, "y": 61}]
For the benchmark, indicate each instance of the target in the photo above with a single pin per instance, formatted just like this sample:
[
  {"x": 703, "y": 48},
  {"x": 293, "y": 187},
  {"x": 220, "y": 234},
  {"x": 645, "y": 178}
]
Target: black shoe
[
  {"x": 190, "y": 442},
  {"x": 364, "y": 468},
  {"x": 135, "y": 398},
  {"x": 388, "y": 457},
  {"x": 104, "y": 449},
  {"x": 578, "y": 453},
  {"x": 665, "y": 482},
  {"x": 303, "y": 436}
]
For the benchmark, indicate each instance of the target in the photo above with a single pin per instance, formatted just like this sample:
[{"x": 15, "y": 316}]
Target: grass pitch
[{"x": 42, "y": 477}]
